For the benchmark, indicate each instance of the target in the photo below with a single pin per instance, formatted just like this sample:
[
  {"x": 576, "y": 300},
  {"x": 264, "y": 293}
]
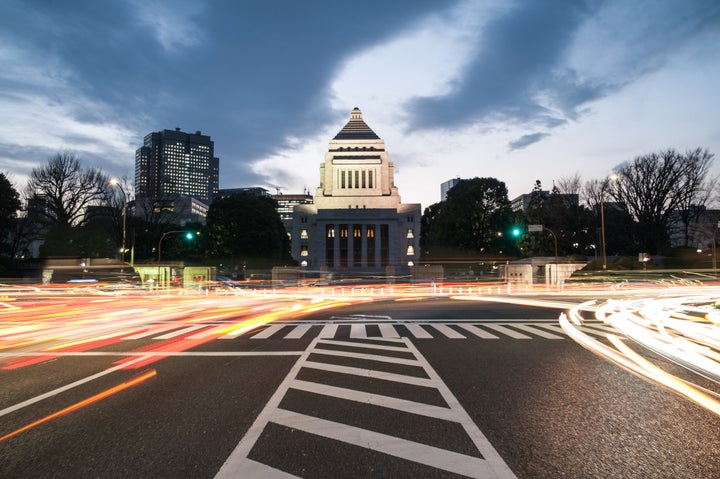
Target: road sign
[{"x": 535, "y": 228}]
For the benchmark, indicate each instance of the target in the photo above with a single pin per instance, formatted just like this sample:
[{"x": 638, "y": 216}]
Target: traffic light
[
  {"x": 189, "y": 235},
  {"x": 516, "y": 232}
]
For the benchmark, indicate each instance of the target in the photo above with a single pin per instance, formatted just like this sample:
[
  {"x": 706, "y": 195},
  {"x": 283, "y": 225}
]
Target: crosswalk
[
  {"x": 388, "y": 329},
  {"x": 422, "y": 330},
  {"x": 375, "y": 405}
]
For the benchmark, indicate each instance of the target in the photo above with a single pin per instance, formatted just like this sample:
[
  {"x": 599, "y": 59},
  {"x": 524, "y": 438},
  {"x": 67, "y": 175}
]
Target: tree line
[
  {"x": 643, "y": 203},
  {"x": 77, "y": 211}
]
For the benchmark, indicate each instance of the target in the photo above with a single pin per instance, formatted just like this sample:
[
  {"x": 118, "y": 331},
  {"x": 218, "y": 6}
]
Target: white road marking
[
  {"x": 403, "y": 448},
  {"x": 363, "y": 345},
  {"x": 488, "y": 465},
  {"x": 507, "y": 331},
  {"x": 298, "y": 332},
  {"x": 269, "y": 331},
  {"x": 418, "y": 331},
  {"x": 370, "y": 357},
  {"x": 179, "y": 332},
  {"x": 404, "y": 405},
  {"x": 67, "y": 387},
  {"x": 329, "y": 331},
  {"x": 479, "y": 332},
  {"x": 358, "y": 331},
  {"x": 536, "y": 331},
  {"x": 388, "y": 331},
  {"x": 447, "y": 331},
  {"x": 369, "y": 373}
]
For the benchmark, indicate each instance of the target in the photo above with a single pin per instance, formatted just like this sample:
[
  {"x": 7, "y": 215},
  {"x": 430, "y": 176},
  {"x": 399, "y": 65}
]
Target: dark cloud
[
  {"x": 526, "y": 140},
  {"x": 255, "y": 73},
  {"x": 520, "y": 69},
  {"x": 516, "y": 56}
]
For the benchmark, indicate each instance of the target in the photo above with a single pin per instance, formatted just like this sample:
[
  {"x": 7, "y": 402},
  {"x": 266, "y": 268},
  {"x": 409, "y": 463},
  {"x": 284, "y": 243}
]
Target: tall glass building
[{"x": 173, "y": 163}]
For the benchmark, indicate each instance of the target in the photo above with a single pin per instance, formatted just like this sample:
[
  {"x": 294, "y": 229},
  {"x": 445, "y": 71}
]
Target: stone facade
[{"x": 357, "y": 221}]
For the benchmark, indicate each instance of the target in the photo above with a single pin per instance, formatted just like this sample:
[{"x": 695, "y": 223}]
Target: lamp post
[
  {"x": 189, "y": 235},
  {"x": 115, "y": 182},
  {"x": 540, "y": 228},
  {"x": 612, "y": 177},
  {"x": 714, "y": 248}
]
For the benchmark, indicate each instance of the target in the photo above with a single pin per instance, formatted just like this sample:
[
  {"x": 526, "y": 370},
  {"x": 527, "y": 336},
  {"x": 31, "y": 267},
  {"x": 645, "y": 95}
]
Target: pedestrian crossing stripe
[
  {"x": 477, "y": 458},
  {"x": 520, "y": 330},
  {"x": 425, "y": 330}
]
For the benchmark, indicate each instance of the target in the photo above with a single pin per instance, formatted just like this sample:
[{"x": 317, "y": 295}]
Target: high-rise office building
[{"x": 172, "y": 163}]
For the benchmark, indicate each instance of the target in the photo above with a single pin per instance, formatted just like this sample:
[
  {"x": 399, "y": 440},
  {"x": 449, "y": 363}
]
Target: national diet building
[{"x": 357, "y": 222}]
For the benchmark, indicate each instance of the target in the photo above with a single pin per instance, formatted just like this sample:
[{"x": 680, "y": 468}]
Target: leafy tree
[
  {"x": 656, "y": 186},
  {"x": 472, "y": 220},
  {"x": 9, "y": 206},
  {"x": 244, "y": 229}
]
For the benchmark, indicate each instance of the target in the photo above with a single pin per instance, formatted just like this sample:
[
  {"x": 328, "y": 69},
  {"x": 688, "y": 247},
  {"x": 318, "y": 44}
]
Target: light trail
[
  {"x": 683, "y": 329},
  {"x": 86, "y": 402}
]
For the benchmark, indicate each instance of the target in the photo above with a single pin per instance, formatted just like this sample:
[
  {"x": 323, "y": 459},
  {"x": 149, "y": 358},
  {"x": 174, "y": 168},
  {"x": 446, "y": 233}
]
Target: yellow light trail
[{"x": 86, "y": 402}]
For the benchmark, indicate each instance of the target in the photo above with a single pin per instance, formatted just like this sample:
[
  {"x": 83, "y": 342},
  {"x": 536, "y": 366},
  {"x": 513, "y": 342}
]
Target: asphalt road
[{"x": 418, "y": 388}]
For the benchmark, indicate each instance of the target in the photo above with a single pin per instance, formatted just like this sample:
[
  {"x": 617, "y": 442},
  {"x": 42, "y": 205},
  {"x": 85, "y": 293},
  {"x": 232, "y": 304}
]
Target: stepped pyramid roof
[{"x": 356, "y": 128}]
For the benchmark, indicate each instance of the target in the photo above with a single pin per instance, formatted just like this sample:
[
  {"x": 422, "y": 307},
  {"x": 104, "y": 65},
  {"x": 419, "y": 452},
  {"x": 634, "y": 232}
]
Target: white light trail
[{"x": 682, "y": 329}]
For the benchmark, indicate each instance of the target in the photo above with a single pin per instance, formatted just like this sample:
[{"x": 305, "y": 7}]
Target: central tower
[
  {"x": 357, "y": 221},
  {"x": 357, "y": 168}
]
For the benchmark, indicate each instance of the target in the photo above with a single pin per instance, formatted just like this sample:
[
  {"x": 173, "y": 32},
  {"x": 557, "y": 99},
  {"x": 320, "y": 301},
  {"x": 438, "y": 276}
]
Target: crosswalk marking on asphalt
[
  {"x": 481, "y": 333},
  {"x": 418, "y": 331},
  {"x": 389, "y": 330},
  {"x": 298, "y": 332},
  {"x": 479, "y": 460}
]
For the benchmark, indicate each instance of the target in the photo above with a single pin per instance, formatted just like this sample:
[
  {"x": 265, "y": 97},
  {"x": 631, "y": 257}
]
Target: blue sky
[{"x": 517, "y": 90}]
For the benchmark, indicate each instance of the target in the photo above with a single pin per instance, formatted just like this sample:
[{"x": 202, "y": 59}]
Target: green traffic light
[
  {"x": 189, "y": 235},
  {"x": 516, "y": 232}
]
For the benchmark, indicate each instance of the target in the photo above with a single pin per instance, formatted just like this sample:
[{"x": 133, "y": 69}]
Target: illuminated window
[
  {"x": 303, "y": 234},
  {"x": 410, "y": 250},
  {"x": 330, "y": 231},
  {"x": 410, "y": 233},
  {"x": 303, "y": 263},
  {"x": 303, "y": 251}
]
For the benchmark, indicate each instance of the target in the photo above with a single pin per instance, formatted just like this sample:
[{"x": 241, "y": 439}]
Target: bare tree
[
  {"x": 62, "y": 190},
  {"x": 697, "y": 192},
  {"x": 656, "y": 186},
  {"x": 569, "y": 185}
]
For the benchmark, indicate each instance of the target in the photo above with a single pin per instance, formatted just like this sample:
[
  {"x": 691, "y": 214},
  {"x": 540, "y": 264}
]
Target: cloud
[
  {"x": 543, "y": 63},
  {"x": 526, "y": 140},
  {"x": 517, "y": 53},
  {"x": 173, "y": 24}
]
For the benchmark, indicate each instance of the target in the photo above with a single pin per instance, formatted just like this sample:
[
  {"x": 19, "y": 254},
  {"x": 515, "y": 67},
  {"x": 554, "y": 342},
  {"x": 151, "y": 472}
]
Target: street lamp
[
  {"x": 714, "y": 248},
  {"x": 115, "y": 182},
  {"x": 541, "y": 228},
  {"x": 612, "y": 177},
  {"x": 188, "y": 234}
]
